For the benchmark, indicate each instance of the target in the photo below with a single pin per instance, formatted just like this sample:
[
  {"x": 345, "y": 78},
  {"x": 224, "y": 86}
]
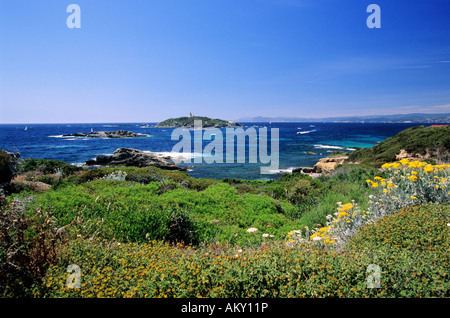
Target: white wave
[
  {"x": 306, "y": 132},
  {"x": 69, "y": 137},
  {"x": 333, "y": 147},
  {"x": 273, "y": 171},
  {"x": 328, "y": 147},
  {"x": 178, "y": 156}
]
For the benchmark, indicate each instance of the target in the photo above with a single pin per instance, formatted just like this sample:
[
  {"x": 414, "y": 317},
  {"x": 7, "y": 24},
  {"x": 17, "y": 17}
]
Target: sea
[{"x": 299, "y": 144}]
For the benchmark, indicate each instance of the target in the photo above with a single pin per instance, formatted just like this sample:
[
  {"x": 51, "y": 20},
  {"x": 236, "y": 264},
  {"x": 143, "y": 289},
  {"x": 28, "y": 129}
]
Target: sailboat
[{"x": 26, "y": 128}]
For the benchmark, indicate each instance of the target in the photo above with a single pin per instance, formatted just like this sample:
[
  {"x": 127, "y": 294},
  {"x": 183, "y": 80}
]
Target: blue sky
[{"x": 148, "y": 60}]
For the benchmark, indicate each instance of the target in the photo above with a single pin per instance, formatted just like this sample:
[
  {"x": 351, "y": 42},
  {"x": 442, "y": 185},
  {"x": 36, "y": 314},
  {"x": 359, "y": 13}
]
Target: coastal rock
[
  {"x": 328, "y": 164},
  {"x": 107, "y": 134},
  {"x": 405, "y": 155},
  {"x": 133, "y": 157},
  {"x": 303, "y": 170},
  {"x": 307, "y": 169}
]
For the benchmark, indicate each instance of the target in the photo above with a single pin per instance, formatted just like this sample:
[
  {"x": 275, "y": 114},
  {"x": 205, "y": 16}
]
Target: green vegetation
[
  {"x": 148, "y": 232},
  {"x": 47, "y": 166},
  {"x": 412, "y": 264},
  {"x": 189, "y": 122},
  {"x": 421, "y": 140}
]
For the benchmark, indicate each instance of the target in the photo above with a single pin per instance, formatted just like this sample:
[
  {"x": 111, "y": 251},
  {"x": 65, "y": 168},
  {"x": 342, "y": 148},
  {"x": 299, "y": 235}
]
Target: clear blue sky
[{"x": 148, "y": 60}]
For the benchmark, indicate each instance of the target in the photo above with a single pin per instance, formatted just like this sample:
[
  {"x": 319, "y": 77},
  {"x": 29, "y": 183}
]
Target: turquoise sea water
[{"x": 300, "y": 144}]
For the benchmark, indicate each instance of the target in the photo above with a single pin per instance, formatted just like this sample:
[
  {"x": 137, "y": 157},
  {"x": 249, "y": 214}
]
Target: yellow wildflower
[
  {"x": 342, "y": 214},
  {"x": 346, "y": 207},
  {"x": 428, "y": 168},
  {"x": 413, "y": 178},
  {"x": 404, "y": 161}
]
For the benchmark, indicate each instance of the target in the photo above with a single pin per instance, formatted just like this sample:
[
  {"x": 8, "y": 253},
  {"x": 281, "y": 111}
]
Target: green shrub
[
  {"x": 417, "y": 228},
  {"x": 48, "y": 166}
]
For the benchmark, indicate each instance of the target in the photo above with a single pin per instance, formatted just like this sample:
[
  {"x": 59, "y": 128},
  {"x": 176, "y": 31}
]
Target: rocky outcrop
[
  {"x": 405, "y": 155},
  {"x": 325, "y": 165},
  {"x": 303, "y": 170},
  {"x": 133, "y": 157},
  {"x": 107, "y": 134},
  {"x": 328, "y": 164}
]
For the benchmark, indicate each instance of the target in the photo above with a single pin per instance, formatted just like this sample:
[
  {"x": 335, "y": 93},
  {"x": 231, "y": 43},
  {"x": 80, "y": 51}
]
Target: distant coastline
[{"x": 442, "y": 118}]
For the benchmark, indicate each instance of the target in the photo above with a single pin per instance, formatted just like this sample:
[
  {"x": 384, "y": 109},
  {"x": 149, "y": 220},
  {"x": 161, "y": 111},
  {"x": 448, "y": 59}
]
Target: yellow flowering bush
[
  {"x": 406, "y": 183},
  {"x": 342, "y": 225},
  {"x": 410, "y": 182}
]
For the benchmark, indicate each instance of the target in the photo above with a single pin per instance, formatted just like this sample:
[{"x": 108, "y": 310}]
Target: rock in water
[
  {"x": 133, "y": 157},
  {"x": 107, "y": 134}
]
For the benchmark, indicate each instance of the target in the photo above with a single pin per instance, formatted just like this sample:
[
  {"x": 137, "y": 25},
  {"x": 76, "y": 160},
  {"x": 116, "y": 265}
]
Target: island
[
  {"x": 188, "y": 122},
  {"x": 107, "y": 134}
]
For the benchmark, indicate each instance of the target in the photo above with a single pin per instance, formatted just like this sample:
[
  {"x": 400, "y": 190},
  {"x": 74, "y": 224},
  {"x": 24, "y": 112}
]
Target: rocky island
[
  {"x": 107, "y": 134},
  {"x": 188, "y": 122},
  {"x": 133, "y": 157}
]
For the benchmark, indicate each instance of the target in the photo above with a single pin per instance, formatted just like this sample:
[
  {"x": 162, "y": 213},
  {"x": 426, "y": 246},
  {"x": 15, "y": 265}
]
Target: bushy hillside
[{"x": 421, "y": 142}]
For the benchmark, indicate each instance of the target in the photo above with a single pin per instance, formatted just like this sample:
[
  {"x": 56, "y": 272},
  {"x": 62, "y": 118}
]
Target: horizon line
[{"x": 326, "y": 119}]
